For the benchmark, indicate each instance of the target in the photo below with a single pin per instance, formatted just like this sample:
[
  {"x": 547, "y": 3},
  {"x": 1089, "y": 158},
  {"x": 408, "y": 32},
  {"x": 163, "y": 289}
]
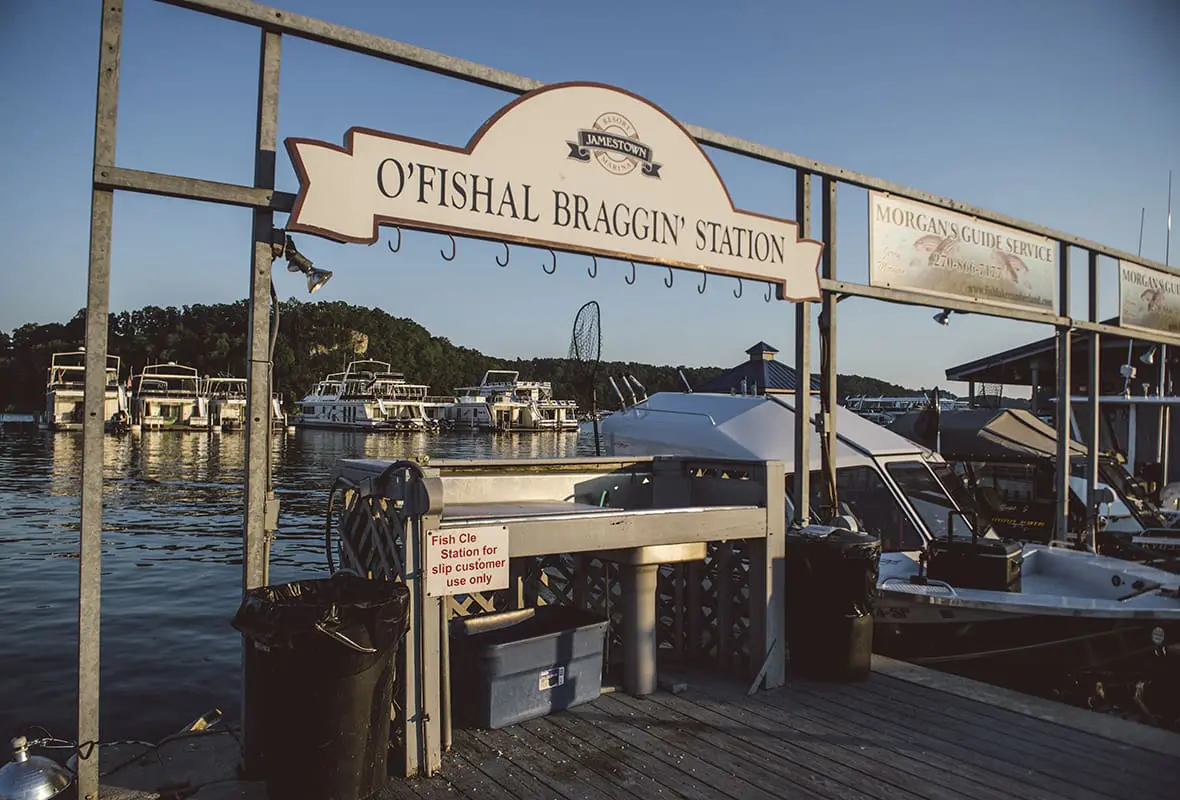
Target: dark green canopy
[{"x": 985, "y": 434}]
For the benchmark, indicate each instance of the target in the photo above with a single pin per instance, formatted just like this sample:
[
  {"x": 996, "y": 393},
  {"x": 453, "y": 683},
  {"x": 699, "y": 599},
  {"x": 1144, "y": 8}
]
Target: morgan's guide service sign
[
  {"x": 925, "y": 248},
  {"x": 1148, "y": 298},
  {"x": 576, "y": 166}
]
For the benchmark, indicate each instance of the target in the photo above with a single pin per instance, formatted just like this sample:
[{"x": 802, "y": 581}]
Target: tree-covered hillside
[{"x": 315, "y": 339}]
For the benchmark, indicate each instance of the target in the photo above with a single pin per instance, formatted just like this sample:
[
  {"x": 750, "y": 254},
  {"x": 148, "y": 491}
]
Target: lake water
[{"x": 171, "y": 566}]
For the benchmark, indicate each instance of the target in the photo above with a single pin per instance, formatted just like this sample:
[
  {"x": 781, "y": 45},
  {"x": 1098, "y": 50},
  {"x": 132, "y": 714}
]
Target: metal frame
[{"x": 260, "y": 511}]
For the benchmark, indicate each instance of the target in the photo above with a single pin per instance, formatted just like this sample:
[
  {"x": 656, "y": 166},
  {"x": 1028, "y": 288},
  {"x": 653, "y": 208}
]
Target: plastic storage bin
[{"x": 519, "y": 665}]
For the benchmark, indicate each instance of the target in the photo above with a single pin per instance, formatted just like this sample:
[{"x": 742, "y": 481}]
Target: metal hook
[
  {"x": 443, "y": 253},
  {"x": 738, "y": 291},
  {"x": 551, "y": 271},
  {"x": 704, "y": 282},
  {"x": 507, "y": 255},
  {"x": 769, "y": 286},
  {"x": 631, "y": 280},
  {"x": 393, "y": 249},
  {"x": 668, "y": 280},
  {"x": 593, "y": 271}
]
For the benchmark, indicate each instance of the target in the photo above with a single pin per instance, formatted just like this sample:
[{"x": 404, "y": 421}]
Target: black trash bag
[{"x": 321, "y": 675}]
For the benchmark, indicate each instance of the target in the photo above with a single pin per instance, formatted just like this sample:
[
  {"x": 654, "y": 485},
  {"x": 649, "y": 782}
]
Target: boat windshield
[{"x": 928, "y": 497}]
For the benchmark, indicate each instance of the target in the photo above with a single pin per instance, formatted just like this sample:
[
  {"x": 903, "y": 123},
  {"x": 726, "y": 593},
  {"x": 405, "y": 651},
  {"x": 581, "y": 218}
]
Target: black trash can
[
  {"x": 320, "y": 677},
  {"x": 831, "y": 587}
]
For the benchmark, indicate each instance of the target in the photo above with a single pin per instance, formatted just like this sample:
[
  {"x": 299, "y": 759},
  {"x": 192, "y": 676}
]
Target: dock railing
[{"x": 684, "y": 556}]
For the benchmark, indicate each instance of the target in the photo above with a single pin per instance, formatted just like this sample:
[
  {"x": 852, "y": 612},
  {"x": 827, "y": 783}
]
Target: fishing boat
[
  {"x": 503, "y": 402},
  {"x": 168, "y": 397},
  {"x": 949, "y": 590},
  {"x": 1006, "y": 458},
  {"x": 367, "y": 396},
  {"x": 65, "y": 387},
  {"x": 226, "y": 398}
]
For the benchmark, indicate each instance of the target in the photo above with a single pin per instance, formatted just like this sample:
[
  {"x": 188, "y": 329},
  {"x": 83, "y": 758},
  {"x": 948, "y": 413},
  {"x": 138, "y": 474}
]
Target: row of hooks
[{"x": 592, "y": 270}]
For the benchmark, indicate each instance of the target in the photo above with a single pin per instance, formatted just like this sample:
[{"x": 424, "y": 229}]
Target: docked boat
[
  {"x": 947, "y": 592},
  {"x": 168, "y": 397},
  {"x": 1006, "y": 460},
  {"x": 227, "y": 402},
  {"x": 65, "y": 387},
  {"x": 367, "y": 396},
  {"x": 503, "y": 402}
]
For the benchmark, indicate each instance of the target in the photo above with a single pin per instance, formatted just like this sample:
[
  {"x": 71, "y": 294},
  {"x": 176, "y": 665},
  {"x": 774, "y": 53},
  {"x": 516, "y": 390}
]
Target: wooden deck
[{"x": 905, "y": 733}]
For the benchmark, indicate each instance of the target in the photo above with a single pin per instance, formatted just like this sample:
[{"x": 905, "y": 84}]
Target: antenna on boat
[
  {"x": 1168, "y": 237},
  {"x": 687, "y": 385},
  {"x": 630, "y": 389},
  {"x": 633, "y": 380},
  {"x": 615, "y": 386}
]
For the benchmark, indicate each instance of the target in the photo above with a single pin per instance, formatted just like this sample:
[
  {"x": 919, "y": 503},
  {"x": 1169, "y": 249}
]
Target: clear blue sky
[{"x": 1064, "y": 112}]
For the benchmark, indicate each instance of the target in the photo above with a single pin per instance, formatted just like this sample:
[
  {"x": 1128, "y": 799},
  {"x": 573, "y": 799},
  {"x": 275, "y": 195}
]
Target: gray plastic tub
[{"x": 519, "y": 665}]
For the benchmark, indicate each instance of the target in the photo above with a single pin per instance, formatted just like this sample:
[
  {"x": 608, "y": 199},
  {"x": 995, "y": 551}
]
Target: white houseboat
[
  {"x": 503, "y": 402},
  {"x": 227, "y": 402},
  {"x": 168, "y": 396},
  {"x": 65, "y": 386},
  {"x": 367, "y": 396}
]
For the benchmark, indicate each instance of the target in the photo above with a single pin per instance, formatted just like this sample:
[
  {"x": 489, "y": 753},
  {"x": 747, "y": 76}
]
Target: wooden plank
[
  {"x": 519, "y": 749},
  {"x": 987, "y": 736},
  {"x": 436, "y": 788},
  {"x": 543, "y": 742},
  {"x": 805, "y": 750},
  {"x": 940, "y": 752},
  {"x": 612, "y": 773},
  {"x": 513, "y": 780},
  {"x": 614, "y": 750},
  {"x": 780, "y": 770},
  {"x": 1062, "y": 722},
  {"x": 793, "y": 724},
  {"x": 1102, "y": 754},
  {"x": 622, "y": 724},
  {"x": 469, "y": 780}
]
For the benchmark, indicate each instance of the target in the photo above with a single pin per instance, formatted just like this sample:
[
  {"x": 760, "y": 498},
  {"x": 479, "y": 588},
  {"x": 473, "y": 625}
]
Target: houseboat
[
  {"x": 168, "y": 396},
  {"x": 227, "y": 402},
  {"x": 503, "y": 402},
  {"x": 65, "y": 386},
  {"x": 367, "y": 396}
]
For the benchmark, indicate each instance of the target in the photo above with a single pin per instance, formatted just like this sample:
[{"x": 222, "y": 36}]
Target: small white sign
[
  {"x": 551, "y": 678},
  {"x": 462, "y": 561}
]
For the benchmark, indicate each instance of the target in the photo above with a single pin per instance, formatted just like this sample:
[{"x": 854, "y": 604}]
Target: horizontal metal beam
[
  {"x": 623, "y": 530},
  {"x": 108, "y": 176},
  {"x": 433, "y": 61},
  {"x": 964, "y": 305}
]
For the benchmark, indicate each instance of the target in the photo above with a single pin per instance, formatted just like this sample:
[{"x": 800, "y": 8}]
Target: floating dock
[{"x": 907, "y": 732}]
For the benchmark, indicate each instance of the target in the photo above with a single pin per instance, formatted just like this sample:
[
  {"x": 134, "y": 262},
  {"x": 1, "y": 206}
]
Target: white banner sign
[
  {"x": 467, "y": 560},
  {"x": 1148, "y": 298},
  {"x": 580, "y": 167},
  {"x": 924, "y": 248}
]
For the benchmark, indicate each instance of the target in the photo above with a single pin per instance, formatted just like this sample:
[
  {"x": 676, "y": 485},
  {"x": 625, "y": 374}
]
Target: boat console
[{"x": 975, "y": 562}]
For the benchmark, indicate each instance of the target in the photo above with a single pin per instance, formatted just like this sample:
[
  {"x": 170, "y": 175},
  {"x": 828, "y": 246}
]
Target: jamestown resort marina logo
[{"x": 614, "y": 143}]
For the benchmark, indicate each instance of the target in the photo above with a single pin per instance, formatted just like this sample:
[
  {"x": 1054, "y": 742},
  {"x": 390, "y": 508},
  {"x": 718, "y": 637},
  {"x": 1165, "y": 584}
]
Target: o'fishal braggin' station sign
[
  {"x": 1148, "y": 298},
  {"x": 575, "y": 166},
  {"x": 925, "y": 248}
]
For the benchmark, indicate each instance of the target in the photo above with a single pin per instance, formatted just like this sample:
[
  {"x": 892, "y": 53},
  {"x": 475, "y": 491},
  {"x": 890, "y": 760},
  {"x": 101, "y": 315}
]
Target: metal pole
[
  {"x": 827, "y": 324},
  {"x": 1061, "y": 527},
  {"x": 261, "y": 513},
  {"x": 98, "y": 298},
  {"x": 1161, "y": 446},
  {"x": 1095, "y": 415},
  {"x": 802, "y": 484}
]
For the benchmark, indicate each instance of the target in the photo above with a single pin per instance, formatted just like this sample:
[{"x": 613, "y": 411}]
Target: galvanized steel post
[
  {"x": 1094, "y": 417},
  {"x": 1064, "y": 384},
  {"x": 802, "y": 483},
  {"x": 261, "y": 509},
  {"x": 98, "y": 297},
  {"x": 827, "y": 325}
]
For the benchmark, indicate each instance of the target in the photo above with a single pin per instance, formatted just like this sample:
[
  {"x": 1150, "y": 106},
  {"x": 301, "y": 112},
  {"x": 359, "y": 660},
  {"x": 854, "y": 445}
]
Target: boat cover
[{"x": 987, "y": 434}]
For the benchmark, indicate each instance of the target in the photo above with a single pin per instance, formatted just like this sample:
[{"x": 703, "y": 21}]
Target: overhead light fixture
[
  {"x": 943, "y": 317},
  {"x": 1149, "y": 356},
  {"x": 297, "y": 262}
]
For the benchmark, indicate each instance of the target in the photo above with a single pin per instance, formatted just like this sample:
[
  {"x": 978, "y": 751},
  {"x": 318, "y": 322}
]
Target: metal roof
[{"x": 758, "y": 375}]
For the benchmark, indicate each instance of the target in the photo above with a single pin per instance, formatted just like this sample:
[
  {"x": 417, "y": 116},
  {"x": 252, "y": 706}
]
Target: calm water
[{"x": 171, "y": 561}]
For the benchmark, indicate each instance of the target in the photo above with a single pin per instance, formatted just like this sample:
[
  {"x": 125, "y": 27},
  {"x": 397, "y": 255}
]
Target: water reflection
[{"x": 172, "y": 521}]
